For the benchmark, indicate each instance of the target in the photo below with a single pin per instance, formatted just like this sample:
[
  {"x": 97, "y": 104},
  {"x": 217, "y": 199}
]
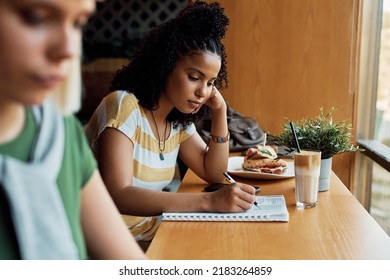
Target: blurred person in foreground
[{"x": 53, "y": 203}]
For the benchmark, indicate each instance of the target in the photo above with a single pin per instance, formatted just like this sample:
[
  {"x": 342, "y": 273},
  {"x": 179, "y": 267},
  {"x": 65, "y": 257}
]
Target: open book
[{"x": 269, "y": 208}]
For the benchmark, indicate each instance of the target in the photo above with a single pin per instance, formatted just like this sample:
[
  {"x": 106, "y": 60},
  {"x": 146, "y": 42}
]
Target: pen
[{"x": 232, "y": 181}]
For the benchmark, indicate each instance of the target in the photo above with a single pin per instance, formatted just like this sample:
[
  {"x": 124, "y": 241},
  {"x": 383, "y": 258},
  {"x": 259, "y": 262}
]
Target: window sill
[{"x": 377, "y": 151}]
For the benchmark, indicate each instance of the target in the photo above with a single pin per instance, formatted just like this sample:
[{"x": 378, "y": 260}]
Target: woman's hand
[
  {"x": 235, "y": 197},
  {"x": 216, "y": 101}
]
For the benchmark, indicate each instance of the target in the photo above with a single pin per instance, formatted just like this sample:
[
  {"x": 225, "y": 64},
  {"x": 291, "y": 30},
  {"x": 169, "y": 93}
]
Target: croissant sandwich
[{"x": 263, "y": 159}]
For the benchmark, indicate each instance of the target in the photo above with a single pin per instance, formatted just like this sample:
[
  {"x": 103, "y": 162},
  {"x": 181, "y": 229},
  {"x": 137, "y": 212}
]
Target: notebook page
[{"x": 271, "y": 208}]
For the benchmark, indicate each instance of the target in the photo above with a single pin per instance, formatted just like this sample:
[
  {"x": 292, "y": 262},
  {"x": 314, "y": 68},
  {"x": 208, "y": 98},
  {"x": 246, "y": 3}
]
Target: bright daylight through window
[{"x": 380, "y": 187}]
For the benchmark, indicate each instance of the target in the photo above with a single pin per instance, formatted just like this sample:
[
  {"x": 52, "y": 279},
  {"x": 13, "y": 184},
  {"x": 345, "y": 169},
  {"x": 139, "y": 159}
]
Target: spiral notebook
[{"x": 269, "y": 208}]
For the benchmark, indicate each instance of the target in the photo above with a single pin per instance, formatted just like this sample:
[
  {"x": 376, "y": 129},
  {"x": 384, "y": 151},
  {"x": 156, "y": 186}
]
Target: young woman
[
  {"x": 146, "y": 122},
  {"x": 53, "y": 203}
]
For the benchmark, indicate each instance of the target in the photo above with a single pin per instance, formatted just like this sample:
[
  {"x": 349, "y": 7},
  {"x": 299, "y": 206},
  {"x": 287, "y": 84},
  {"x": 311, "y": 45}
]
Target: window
[
  {"x": 382, "y": 120},
  {"x": 372, "y": 170}
]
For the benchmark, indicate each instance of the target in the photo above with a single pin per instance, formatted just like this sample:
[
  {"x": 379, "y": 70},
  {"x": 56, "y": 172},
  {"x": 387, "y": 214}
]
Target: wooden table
[{"x": 339, "y": 228}]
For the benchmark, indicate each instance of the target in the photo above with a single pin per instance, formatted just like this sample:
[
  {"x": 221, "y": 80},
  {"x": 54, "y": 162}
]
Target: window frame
[{"x": 370, "y": 39}]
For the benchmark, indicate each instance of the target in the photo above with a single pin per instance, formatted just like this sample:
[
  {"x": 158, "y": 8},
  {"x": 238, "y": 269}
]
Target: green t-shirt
[{"x": 77, "y": 168}]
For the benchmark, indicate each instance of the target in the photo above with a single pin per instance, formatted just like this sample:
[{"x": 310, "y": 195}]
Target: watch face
[{"x": 217, "y": 139}]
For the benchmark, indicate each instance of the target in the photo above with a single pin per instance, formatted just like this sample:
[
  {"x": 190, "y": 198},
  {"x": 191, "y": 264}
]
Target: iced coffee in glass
[{"x": 307, "y": 171}]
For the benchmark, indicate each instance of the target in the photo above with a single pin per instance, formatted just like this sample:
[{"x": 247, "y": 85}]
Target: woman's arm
[
  {"x": 105, "y": 232},
  {"x": 210, "y": 162},
  {"x": 115, "y": 158}
]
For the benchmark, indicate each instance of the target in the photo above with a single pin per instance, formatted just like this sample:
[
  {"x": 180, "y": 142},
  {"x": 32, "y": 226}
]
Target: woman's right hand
[{"x": 235, "y": 197}]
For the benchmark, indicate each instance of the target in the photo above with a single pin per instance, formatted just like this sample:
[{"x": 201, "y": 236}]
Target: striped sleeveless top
[{"x": 120, "y": 110}]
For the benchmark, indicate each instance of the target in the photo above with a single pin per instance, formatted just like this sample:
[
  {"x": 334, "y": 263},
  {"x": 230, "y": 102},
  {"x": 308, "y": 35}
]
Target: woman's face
[
  {"x": 38, "y": 38},
  {"x": 191, "y": 82}
]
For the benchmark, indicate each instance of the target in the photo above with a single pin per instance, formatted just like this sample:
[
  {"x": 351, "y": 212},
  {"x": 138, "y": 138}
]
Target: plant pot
[{"x": 326, "y": 169}]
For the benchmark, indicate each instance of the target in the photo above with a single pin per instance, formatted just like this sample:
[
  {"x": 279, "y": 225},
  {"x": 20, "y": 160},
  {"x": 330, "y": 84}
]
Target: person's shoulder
[
  {"x": 128, "y": 98},
  {"x": 72, "y": 125},
  {"x": 122, "y": 98},
  {"x": 75, "y": 138},
  {"x": 187, "y": 128}
]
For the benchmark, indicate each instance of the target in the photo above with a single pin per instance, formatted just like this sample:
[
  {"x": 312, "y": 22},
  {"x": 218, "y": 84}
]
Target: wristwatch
[{"x": 217, "y": 139}]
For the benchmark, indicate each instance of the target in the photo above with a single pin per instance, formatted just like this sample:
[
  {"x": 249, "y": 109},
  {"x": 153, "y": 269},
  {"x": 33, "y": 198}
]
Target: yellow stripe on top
[
  {"x": 146, "y": 141},
  {"x": 150, "y": 143},
  {"x": 152, "y": 174}
]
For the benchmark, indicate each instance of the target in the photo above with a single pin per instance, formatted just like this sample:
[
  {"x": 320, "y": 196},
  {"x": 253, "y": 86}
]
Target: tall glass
[{"x": 307, "y": 172}]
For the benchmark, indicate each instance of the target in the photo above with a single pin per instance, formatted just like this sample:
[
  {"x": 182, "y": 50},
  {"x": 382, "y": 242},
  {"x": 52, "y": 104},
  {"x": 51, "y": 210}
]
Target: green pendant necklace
[{"x": 158, "y": 136}]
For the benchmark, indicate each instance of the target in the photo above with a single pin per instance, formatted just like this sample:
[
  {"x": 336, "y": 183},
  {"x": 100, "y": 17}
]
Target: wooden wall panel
[{"x": 287, "y": 58}]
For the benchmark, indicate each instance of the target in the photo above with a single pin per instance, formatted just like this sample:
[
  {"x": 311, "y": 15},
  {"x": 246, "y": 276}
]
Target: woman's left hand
[{"x": 216, "y": 101}]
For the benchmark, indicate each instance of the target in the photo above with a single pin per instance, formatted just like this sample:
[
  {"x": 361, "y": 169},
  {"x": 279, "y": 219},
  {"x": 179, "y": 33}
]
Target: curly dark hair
[{"x": 198, "y": 27}]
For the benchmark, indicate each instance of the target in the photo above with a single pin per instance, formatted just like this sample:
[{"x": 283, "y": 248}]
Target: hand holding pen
[{"x": 232, "y": 181}]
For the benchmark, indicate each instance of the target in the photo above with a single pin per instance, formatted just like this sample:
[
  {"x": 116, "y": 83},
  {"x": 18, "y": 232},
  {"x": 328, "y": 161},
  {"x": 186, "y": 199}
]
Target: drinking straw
[{"x": 295, "y": 137}]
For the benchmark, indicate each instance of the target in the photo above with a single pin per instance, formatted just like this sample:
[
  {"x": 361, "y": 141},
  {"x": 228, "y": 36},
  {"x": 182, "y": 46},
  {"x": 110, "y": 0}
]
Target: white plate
[{"x": 235, "y": 168}]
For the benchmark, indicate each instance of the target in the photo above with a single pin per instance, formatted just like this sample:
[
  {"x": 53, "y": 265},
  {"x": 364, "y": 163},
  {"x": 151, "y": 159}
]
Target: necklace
[{"x": 158, "y": 136}]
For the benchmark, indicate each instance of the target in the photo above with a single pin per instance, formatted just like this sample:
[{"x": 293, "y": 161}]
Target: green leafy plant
[{"x": 318, "y": 133}]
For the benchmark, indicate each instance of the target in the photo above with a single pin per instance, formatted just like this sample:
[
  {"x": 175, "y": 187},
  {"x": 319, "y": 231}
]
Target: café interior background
[{"x": 285, "y": 60}]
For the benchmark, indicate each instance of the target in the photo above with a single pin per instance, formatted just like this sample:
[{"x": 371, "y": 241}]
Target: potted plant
[{"x": 322, "y": 134}]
